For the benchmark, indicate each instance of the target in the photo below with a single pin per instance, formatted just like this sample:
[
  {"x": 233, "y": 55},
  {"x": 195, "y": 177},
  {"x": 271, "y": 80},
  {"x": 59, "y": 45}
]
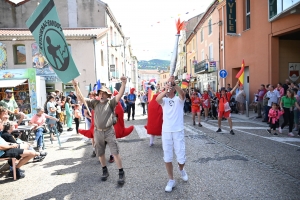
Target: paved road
[{"x": 252, "y": 164}]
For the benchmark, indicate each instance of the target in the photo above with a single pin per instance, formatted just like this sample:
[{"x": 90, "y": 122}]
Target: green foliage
[{"x": 154, "y": 64}]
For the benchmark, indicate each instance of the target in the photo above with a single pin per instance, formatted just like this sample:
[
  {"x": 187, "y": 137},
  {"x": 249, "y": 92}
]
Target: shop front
[{"x": 29, "y": 89}]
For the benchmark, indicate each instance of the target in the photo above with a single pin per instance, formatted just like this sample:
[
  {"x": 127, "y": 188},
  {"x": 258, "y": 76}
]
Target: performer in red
[
  {"x": 155, "y": 119},
  {"x": 196, "y": 109},
  {"x": 206, "y": 103}
]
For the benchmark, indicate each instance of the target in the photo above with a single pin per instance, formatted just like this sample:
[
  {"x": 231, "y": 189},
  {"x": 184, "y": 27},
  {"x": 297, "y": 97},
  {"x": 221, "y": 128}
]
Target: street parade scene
[{"x": 140, "y": 99}]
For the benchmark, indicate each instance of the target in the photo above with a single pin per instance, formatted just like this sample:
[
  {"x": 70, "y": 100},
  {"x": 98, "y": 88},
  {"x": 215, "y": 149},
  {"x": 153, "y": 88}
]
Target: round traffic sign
[{"x": 223, "y": 73}]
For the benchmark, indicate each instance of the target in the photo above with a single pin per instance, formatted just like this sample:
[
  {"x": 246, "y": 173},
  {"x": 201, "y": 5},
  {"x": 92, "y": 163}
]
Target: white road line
[
  {"x": 213, "y": 128},
  {"x": 142, "y": 132},
  {"x": 63, "y": 138},
  {"x": 283, "y": 140},
  {"x": 248, "y": 127}
]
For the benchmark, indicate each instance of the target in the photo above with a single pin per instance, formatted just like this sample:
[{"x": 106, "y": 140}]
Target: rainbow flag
[{"x": 240, "y": 75}]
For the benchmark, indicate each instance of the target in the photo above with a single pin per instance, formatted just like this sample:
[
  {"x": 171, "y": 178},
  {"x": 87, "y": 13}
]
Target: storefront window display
[{"x": 24, "y": 90}]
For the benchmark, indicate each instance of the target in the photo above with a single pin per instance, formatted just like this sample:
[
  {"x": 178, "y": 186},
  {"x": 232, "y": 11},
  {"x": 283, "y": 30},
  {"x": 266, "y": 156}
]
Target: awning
[{"x": 11, "y": 83}]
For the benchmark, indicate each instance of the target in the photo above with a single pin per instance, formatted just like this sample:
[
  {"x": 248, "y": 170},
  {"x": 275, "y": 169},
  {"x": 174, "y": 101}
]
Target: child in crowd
[
  {"x": 196, "y": 109},
  {"x": 77, "y": 115},
  {"x": 274, "y": 115}
]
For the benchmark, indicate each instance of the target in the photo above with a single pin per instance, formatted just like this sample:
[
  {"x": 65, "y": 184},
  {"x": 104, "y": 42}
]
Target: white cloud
[{"x": 139, "y": 20}]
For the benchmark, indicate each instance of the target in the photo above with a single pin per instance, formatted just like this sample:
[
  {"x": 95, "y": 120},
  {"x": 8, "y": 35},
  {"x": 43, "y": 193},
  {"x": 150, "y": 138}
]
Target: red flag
[{"x": 240, "y": 75}]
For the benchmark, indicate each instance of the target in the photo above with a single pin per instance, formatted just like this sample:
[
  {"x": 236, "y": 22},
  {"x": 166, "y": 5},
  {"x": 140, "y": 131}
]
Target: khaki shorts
[{"x": 109, "y": 136}]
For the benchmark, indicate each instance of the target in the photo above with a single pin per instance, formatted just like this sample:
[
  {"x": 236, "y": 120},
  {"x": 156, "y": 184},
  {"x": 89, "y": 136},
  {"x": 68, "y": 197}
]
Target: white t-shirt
[{"x": 172, "y": 114}]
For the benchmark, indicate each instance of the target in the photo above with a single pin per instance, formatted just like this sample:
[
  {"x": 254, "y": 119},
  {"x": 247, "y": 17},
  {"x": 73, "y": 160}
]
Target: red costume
[
  {"x": 155, "y": 117},
  {"x": 119, "y": 127}
]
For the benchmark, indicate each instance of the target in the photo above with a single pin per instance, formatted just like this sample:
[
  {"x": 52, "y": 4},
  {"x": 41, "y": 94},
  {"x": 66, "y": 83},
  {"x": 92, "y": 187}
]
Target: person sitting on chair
[
  {"x": 12, "y": 107},
  {"x": 38, "y": 121}
]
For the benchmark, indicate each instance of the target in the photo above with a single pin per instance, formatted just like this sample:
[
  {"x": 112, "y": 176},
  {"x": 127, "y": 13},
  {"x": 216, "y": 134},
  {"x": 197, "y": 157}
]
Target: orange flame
[{"x": 180, "y": 26}]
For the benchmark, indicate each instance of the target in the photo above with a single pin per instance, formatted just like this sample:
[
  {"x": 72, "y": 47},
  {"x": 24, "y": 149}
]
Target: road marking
[
  {"x": 248, "y": 127},
  {"x": 284, "y": 140},
  {"x": 142, "y": 132},
  {"x": 63, "y": 138},
  {"x": 213, "y": 128}
]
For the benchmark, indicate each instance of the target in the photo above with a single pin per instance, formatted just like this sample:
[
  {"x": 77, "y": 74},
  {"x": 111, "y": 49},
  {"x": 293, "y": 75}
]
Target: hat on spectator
[
  {"x": 8, "y": 91},
  {"x": 223, "y": 88},
  {"x": 105, "y": 89},
  {"x": 53, "y": 93}
]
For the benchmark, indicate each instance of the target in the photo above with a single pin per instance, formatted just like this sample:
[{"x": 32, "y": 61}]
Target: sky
[{"x": 150, "y": 24}]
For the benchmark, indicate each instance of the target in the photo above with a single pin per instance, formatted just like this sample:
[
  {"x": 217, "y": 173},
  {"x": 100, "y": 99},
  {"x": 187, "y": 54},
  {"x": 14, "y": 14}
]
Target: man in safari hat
[
  {"x": 104, "y": 120},
  {"x": 12, "y": 107}
]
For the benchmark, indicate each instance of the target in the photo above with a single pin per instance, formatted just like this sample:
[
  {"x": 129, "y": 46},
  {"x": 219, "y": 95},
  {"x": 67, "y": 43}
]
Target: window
[
  {"x": 209, "y": 27},
  {"x": 247, "y": 14},
  {"x": 202, "y": 54},
  {"x": 115, "y": 38},
  {"x": 111, "y": 36},
  {"x": 278, "y": 6},
  {"x": 211, "y": 55},
  {"x": 184, "y": 49},
  {"x": 19, "y": 54},
  {"x": 201, "y": 35},
  {"x": 102, "y": 59}
]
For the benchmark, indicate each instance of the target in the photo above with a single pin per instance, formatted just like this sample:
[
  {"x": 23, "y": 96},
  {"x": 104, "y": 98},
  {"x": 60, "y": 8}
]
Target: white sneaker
[
  {"x": 280, "y": 130},
  {"x": 171, "y": 184},
  {"x": 291, "y": 134},
  {"x": 184, "y": 175}
]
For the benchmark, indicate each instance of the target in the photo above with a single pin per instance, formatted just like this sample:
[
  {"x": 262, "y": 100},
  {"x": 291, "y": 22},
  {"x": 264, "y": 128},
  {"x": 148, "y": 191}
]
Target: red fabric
[
  {"x": 206, "y": 100},
  {"x": 88, "y": 133},
  {"x": 155, "y": 117},
  {"x": 222, "y": 114},
  {"x": 223, "y": 100},
  {"x": 195, "y": 103},
  {"x": 119, "y": 127}
]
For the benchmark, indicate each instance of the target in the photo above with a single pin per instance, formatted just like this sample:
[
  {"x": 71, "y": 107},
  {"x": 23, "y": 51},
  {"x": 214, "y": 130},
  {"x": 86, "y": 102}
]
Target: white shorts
[{"x": 174, "y": 140}]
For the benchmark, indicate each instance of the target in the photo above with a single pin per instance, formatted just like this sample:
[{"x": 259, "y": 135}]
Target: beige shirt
[{"x": 103, "y": 112}]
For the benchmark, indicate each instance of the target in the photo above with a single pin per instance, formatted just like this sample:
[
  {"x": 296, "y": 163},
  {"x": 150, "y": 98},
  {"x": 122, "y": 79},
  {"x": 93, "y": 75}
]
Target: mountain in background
[{"x": 154, "y": 64}]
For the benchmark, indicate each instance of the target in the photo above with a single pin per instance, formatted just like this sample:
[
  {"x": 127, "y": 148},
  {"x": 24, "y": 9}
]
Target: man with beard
[{"x": 104, "y": 120}]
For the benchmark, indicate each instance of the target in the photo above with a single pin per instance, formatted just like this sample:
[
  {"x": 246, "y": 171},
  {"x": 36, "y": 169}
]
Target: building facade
[
  {"x": 266, "y": 35},
  {"x": 109, "y": 52}
]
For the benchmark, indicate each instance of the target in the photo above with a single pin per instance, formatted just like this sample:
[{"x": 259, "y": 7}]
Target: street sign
[
  {"x": 112, "y": 68},
  {"x": 223, "y": 73}
]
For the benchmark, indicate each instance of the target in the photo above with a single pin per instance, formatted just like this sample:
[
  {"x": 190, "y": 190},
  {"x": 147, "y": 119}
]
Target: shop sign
[
  {"x": 212, "y": 66},
  {"x": 231, "y": 16},
  {"x": 294, "y": 69}
]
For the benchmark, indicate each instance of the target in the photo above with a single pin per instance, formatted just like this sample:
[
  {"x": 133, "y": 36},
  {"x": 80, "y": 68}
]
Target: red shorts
[
  {"x": 222, "y": 114},
  {"x": 206, "y": 106},
  {"x": 196, "y": 109}
]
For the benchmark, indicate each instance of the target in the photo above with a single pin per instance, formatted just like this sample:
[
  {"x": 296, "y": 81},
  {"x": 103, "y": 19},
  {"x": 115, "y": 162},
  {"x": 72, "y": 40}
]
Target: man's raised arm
[{"x": 122, "y": 89}]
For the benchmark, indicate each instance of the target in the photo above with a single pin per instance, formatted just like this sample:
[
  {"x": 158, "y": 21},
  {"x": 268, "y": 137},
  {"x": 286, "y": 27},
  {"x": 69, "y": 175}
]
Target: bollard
[{"x": 247, "y": 109}]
